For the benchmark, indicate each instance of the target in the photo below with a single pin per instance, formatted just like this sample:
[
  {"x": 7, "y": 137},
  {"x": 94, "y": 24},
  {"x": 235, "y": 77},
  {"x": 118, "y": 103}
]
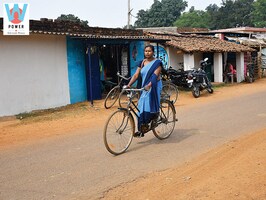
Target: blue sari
[{"x": 149, "y": 102}]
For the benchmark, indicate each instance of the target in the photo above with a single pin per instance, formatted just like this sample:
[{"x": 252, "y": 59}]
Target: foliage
[
  {"x": 212, "y": 10},
  {"x": 231, "y": 13},
  {"x": 73, "y": 18},
  {"x": 193, "y": 19},
  {"x": 161, "y": 14},
  {"x": 259, "y": 13}
]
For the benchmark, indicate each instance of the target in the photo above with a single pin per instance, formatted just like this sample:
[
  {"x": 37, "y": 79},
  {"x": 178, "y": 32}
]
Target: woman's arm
[
  {"x": 157, "y": 72},
  {"x": 134, "y": 77}
]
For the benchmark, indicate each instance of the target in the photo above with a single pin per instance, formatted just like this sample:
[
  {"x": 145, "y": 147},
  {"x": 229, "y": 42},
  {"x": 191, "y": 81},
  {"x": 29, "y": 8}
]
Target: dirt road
[{"x": 236, "y": 170}]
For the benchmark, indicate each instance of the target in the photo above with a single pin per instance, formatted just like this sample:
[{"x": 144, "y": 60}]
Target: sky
[{"x": 99, "y": 13}]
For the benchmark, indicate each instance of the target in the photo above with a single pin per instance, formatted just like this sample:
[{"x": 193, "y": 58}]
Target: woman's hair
[{"x": 150, "y": 46}]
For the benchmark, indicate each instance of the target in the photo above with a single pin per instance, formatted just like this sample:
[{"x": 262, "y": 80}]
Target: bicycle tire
[
  {"x": 123, "y": 99},
  {"x": 170, "y": 91},
  {"x": 111, "y": 97},
  {"x": 166, "y": 121},
  {"x": 118, "y": 132}
]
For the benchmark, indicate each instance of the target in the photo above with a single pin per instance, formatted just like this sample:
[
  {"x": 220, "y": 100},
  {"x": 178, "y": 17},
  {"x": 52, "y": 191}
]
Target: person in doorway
[
  {"x": 148, "y": 75},
  {"x": 230, "y": 72}
]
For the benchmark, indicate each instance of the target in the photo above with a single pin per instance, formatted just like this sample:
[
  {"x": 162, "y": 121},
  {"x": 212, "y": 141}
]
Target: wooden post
[
  {"x": 128, "y": 15},
  {"x": 259, "y": 61}
]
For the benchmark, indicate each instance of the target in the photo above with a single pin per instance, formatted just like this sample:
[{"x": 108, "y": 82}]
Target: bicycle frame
[
  {"x": 135, "y": 108},
  {"x": 132, "y": 93}
]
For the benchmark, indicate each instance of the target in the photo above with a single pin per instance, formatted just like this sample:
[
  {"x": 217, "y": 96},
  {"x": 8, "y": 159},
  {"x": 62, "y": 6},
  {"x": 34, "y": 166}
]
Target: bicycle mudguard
[
  {"x": 171, "y": 102},
  {"x": 129, "y": 113}
]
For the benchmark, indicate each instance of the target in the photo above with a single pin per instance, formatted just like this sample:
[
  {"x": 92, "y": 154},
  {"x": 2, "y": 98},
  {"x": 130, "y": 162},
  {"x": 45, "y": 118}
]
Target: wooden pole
[{"x": 128, "y": 15}]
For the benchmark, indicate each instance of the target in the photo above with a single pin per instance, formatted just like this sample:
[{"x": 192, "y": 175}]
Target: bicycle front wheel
[
  {"x": 170, "y": 91},
  {"x": 166, "y": 121},
  {"x": 111, "y": 97},
  {"x": 118, "y": 132}
]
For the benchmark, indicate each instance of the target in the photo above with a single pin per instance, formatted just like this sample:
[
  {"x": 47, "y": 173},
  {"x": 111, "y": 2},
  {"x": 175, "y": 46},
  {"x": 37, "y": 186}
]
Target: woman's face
[{"x": 148, "y": 52}]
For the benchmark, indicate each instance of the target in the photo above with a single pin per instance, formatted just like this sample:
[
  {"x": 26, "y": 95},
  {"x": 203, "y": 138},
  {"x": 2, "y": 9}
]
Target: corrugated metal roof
[{"x": 240, "y": 30}]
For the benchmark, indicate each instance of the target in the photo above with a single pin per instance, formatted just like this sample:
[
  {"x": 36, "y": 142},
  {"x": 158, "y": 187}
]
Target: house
[
  {"x": 61, "y": 63},
  {"x": 189, "y": 49},
  {"x": 251, "y": 37}
]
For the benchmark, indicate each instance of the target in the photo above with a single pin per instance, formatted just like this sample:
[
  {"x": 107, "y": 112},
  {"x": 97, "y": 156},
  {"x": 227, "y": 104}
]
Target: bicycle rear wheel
[
  {"x": 118, "y": 132},
  {"x": 111, "y": 97},
  {"x": 170, "y": 91},
  {"x": 166, "y": 120},
  {"x": 123, "y": 99}
]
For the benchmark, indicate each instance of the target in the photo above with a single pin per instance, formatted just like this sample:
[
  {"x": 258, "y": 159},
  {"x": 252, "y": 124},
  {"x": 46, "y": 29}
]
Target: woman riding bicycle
[{"x": 148, "y": 75}]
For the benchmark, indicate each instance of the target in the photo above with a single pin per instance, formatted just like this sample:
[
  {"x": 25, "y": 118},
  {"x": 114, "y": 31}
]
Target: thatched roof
[{"x": 197, "y": 43}]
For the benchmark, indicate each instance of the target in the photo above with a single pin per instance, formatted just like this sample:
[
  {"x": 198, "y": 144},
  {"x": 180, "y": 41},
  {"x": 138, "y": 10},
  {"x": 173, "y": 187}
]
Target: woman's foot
[{"x": 138, "y": 134}]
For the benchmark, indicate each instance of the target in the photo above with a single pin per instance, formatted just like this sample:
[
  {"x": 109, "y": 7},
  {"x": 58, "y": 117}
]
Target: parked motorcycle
[
  {"x": 180, "y": 77},
  {"x": 200, "y": 80}
]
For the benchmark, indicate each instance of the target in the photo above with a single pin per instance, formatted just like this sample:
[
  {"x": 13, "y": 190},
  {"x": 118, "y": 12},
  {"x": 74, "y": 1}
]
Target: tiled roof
[{"x": 197, "y": 43}]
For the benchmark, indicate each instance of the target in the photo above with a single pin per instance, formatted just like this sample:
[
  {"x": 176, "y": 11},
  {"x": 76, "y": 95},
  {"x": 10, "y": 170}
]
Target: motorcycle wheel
[
  {"x": 210, "y": 90},
  {"x": 196, "y": 92}
]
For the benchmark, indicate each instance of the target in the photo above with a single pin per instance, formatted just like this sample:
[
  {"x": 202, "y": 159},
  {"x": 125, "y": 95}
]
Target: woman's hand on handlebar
[
  {"x": 147, "y": 87},
  {"x": 126, "y": 86}
]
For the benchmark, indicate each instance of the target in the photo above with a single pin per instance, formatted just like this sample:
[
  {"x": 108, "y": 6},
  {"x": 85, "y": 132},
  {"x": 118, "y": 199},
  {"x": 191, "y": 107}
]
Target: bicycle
[
  {"x": 120, "y": 126},
  {"x": 114, "y": 93},
  {"x": 169, "y": 89}
]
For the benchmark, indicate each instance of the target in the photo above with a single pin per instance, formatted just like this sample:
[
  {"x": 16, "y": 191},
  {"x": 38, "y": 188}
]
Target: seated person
[{"x": 229, "y": 72}]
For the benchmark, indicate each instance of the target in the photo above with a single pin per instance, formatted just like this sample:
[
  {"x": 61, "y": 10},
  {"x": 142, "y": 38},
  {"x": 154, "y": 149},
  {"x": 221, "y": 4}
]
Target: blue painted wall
[
  {"x": 163, "y": 56},
  {"x": 76, "y": 70},
  {"x": 136, "y": 55}
]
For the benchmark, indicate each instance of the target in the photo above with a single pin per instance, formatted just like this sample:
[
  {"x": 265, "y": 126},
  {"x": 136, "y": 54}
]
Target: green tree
[
  {"x": 212, "y": 11},
  {"x": 259, "y": 13},
  {"x": 73, "y": 18},
  {"x": 194, "y": 19},
  {"x": 161, "y": 14},
  {"x": 233, "y": 13}
]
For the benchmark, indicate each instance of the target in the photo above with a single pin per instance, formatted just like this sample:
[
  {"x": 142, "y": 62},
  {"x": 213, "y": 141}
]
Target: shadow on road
[{"x": 176, "y": 137}]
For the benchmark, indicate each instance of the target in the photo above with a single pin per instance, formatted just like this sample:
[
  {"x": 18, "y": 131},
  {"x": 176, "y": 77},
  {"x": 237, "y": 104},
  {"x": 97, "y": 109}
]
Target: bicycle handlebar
[
  {"x": 133, "y": 89},
  {"x": 118, "y": 74}
]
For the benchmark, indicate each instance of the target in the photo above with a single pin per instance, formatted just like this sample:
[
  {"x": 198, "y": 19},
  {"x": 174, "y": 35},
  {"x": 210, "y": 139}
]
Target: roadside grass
[{"x": 73, "y": 110}]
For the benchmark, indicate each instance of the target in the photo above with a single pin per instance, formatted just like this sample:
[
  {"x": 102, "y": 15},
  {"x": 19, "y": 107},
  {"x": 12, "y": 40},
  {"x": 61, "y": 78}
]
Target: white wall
[
  {"x": 174, "y": 58},
  {"x": 240, "y": 67},
  {"x": 197, "y": 58},
  {"x": 189, "y": 61},
  {"x": 218, "y": 67},
  {"x": 33, "y": 73}
]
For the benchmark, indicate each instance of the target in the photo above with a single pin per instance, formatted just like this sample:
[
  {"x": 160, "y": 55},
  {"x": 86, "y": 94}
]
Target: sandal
[{"x": 138, "y": 134}]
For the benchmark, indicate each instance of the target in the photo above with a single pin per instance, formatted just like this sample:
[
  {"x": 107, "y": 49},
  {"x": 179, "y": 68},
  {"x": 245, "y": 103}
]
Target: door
[{"x": 93, "y": 73}]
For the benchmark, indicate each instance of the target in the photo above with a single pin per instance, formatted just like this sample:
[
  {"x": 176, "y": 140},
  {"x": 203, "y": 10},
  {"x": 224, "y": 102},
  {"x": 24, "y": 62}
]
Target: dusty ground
[{"x": 236, "y": 170}]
